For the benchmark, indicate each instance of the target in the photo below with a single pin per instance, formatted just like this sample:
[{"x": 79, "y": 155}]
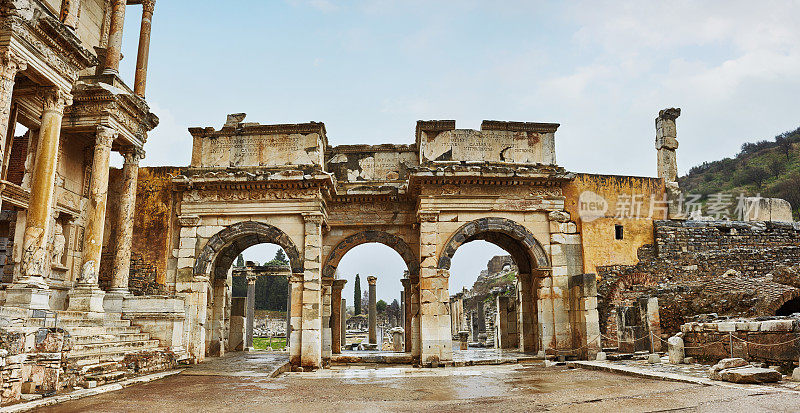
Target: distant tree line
[{"x": 271, "y": 292}]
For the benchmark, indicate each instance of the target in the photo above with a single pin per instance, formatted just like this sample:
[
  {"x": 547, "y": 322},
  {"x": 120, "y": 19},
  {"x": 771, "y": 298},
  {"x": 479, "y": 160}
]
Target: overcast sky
[{"x": 370, "y": 69}]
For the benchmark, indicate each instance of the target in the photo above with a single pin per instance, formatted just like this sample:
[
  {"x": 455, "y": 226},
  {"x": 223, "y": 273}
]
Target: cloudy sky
[{"x": 371, "y": 69}]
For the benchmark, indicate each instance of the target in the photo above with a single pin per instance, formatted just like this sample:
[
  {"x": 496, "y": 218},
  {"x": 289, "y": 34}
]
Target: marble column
[
  {"x": 327, "y": 313},
  {"x": 29, "y": 290},
  {"x": 416, "y": 324},
  {"x": 69, "y": 13},
  {"x": 373, "y": 311},
  {"x": 527, "y": 316},
  {"x": 336, "y": 316},
  {"x": 406, "y": 310},
  {"x": 343, "y": 323},
  {"x": 114, "y": 48},
  {"x": 501, "y": 335},
  {"x": 87, "y": 295},
  {"x": 11, "y": 65},
  {"x": 250, "y": 313},
  {"x": 124, "y": 235},
  {"x": 288, "y": 310},
  {"x": 144, "y": 47},
  {"x": 296, "y": 318}
]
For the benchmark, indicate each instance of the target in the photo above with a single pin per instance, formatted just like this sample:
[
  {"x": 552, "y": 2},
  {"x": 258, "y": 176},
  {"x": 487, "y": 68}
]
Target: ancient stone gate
[{"x": 283, "y": 184}]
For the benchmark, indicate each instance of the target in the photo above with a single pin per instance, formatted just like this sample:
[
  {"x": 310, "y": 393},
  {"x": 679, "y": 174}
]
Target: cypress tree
[{"x": 357, "y": 295}]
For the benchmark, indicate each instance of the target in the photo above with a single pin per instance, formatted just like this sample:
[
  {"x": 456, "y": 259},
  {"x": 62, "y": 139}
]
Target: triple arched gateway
[{"x": 283, "y": 184}]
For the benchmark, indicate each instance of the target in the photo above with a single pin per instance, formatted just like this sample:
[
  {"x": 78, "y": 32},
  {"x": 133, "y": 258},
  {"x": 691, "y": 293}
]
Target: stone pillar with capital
[
  {"x": 142, "y": 57},
  {"x": 124, "y": 234},
  {"x": 437, "y": 342},
  {"x": 311, "y": 304},
  {"x": 29, "y": 290},
  {"x": 373, "y": 311},
  {"x": 337, "y": 338},
  {"x": 114, "y": 49},
  {"x": 250, "y": 313},
  {"x": 87, "y": 295},
  {"x": 406, "y": 311},
  {"x": 11, "y": 65}
]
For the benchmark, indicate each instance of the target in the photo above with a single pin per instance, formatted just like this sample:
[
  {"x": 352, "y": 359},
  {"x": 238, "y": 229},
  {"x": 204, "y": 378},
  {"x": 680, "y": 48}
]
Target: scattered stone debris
[{"x": 737, "y": 370}]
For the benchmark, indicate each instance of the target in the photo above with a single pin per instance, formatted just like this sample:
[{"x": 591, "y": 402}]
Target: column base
[
  {"x": 87, "y": 298},
  {"x": 114, "y": 299},
  {"x": 249, "y": 349},
  {"x": 28, "y": 297}
]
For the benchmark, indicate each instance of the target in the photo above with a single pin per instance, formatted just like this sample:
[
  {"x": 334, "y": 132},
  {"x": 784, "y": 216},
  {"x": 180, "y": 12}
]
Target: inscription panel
[
  {"x": 260, "y": 150},
  {"x": 488, "y": 146}
]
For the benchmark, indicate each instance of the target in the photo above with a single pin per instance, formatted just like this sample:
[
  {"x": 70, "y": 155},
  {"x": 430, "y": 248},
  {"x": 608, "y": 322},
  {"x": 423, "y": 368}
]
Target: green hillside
[{"x": 770, "y": 168}]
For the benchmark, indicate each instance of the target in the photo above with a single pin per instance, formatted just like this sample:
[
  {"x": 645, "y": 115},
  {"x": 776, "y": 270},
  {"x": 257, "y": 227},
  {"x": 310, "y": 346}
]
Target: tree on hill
[{"x": 357, "y": 295}]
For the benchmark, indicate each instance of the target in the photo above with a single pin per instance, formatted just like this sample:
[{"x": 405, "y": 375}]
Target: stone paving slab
[
  {"x": 241, "y": 364},
  {"x": 694, "y": 373}
]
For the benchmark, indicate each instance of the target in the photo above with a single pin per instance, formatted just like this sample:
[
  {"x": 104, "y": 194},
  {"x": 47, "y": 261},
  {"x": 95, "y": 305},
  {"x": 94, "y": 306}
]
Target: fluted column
[
  {"x": 140, "y": 82},
  {"x": 114, "y": 48},
  {"x": 124, "y": 234},
  {"x": 11, "y": 65},
  {"x": 373, "y": 316}
]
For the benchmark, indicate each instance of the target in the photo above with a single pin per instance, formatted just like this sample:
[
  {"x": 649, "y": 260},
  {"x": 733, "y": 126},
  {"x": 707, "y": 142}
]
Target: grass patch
[{"x": 262, "y": 343}]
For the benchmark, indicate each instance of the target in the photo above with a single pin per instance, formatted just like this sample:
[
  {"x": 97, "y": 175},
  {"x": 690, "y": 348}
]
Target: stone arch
[
  {"x": 392, "y": 241},
  {"x": 523, "y": 246},
  {"x": 773, "y": 307},
  {"x": 222, "y": 249}
]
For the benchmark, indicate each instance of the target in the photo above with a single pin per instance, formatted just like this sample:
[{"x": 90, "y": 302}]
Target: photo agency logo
[
  {"x": 719, "y": 206},
  {"x": 591, "y": 206}
]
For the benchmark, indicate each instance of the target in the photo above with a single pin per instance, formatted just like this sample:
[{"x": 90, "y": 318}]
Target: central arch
[
  {"x": 222, "y": 249},
  {"x": 530, "y": 258},
  {"x": 392, "y": 241},
  {"x": 505, "y": 233}
]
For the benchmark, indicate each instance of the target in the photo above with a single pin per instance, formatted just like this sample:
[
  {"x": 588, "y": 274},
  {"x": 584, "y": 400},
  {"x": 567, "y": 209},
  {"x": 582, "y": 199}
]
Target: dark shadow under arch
[
  {"x": 392, "y": 241},
  {"x": 222, "y": 249}
]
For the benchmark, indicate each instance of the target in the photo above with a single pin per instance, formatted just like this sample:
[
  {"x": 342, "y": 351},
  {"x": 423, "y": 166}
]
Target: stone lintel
[{"x": 497, "y": 125}]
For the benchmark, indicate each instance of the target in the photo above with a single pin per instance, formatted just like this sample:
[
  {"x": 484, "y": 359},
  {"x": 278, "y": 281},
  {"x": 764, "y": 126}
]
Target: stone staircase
[{"x": 104, "y": 349}]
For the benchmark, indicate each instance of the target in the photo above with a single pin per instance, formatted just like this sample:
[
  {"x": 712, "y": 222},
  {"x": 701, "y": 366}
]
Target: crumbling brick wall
[{"x": 698, "y": 267}]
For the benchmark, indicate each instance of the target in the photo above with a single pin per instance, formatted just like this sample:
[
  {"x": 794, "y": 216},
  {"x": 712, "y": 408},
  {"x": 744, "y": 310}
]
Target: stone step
[
  {"x": 110, "y": 338},
  {"x": 100, "y": 368},
  {"x": 88, "y": 323},
  {"x": 77, "y": 315},
  {"x": 107, "y": 377},
  {"x": 116, "y": 346}
]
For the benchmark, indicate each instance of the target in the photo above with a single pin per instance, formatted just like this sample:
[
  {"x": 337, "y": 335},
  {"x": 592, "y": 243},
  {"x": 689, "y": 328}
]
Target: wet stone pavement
[{"x": 235, "y": 384}]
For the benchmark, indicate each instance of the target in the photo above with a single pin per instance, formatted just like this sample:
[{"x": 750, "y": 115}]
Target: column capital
[
  {"x": 105, "y": 136},
  {"x": 406, "y": 283},
  {"x": 54, "y": 99},
  {"x": 11, "y": 64},
  {"x": 339, "y": 284},
  {"x": 132, "y": 155},
  {"x": 372, "y": 279},
  {"x": 428, "y": 216},
  {"x": 148, "y": 6},
  {"x": 313, "y": 218},
  {"x": 251, "y": 279}
]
